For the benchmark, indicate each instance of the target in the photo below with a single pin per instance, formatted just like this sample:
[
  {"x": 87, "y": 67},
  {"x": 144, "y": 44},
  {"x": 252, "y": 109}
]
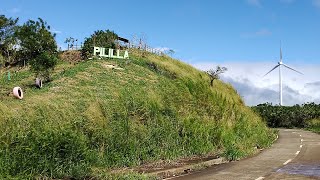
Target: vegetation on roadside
[
  {"x": 314, "y": 125},
  {"x": 90, "y": 118},
  {"x": 299, "y": 116},
  {"x": 93, "y": 121}
]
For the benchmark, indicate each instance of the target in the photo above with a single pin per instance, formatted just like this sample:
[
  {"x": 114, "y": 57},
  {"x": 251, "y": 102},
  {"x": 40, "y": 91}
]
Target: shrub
[
  {"x": 314, "y": 125},
  {"x": 106, "y": 39},
  {"x": 43, "y": 64}
]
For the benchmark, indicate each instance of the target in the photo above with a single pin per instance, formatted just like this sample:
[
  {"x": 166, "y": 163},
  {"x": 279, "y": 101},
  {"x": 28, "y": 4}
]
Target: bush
[
  {"x": 43, "y": 64},
  {"x": 314, "y": 125},
  {"x": 106, "y": 39}
]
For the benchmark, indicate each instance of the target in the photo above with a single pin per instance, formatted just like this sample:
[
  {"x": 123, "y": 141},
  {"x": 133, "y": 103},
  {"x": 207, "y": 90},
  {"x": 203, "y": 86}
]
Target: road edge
[{"x": 174, "y": 172}]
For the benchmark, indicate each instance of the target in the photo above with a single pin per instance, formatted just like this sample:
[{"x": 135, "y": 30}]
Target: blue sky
[{"x": 203, "y": 33}]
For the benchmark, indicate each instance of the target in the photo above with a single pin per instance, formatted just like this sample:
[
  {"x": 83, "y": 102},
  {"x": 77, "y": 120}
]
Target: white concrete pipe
[
  {"x": 17, "y": 92},
  {"x": 38, "y": 83}
]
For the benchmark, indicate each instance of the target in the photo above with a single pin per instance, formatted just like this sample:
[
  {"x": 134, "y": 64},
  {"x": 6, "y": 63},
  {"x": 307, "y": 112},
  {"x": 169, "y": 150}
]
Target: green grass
[
  {"x": 314, "y": 125},
  {"x": 91, "y": 119}
]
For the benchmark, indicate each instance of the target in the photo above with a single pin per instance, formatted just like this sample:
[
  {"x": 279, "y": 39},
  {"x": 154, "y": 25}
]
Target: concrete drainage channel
[{"x": 173, "y": 172}]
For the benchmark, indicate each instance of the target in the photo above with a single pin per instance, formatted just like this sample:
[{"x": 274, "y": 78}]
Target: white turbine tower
[{"x": 280, "y": 75}]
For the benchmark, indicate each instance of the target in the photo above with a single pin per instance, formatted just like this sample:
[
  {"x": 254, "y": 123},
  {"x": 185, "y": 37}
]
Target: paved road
[{"x": 295, "y": 155}]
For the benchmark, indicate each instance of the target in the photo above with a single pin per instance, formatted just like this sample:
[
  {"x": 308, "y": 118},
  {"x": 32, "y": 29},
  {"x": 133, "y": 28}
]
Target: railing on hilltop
[{"x": 149, "y": 49}]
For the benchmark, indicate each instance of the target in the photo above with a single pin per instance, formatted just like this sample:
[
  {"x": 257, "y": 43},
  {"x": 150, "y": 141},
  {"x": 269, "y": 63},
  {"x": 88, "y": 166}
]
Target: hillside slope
[{"x": 92, "y": 117}]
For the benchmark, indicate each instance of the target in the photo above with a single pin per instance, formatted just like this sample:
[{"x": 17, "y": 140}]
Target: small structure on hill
[{"x": 123, "y": 43}]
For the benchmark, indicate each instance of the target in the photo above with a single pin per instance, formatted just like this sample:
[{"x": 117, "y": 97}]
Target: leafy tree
[
  {"x": 214, "y": 73},
  {"x": 8, "y": 26},
  {"x": 43, "y": 65},
  {"x": 37, "y": 45},
  {"x": 106, "y": 39},
  {"x": 35, "y": 38}
]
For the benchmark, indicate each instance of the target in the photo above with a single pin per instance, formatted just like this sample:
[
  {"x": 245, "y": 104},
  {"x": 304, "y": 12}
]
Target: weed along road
[{"x": 295, "y": 155}]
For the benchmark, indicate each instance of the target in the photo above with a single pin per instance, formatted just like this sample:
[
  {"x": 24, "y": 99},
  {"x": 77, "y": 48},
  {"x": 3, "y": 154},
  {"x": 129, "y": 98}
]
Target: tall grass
[
  {"x": 314, "y": 125},
  {"x": 91, "y": 119}
]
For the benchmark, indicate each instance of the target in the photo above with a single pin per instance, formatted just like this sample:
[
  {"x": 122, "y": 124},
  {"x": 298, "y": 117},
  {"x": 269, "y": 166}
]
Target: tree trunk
[{"x": 8, "y": 54}]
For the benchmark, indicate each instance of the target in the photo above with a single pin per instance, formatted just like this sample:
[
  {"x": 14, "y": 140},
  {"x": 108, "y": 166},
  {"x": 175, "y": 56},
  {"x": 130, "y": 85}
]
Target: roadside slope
[{"x": 92, "y": 118}]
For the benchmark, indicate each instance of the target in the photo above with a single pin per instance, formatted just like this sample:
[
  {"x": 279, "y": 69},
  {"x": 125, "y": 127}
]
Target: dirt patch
[
  {"x": 111, "y": 66},
  {"x": 71, "y": 56}
]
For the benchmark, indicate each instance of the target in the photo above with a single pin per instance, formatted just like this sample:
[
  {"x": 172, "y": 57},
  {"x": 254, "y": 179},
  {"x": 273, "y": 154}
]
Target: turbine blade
[
  {"x": 272, "y": 69},
  {"x": 291, "y": 68}
]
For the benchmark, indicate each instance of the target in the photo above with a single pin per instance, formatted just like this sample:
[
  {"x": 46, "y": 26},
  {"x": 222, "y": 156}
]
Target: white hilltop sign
[{"x": 110, "y": 53}]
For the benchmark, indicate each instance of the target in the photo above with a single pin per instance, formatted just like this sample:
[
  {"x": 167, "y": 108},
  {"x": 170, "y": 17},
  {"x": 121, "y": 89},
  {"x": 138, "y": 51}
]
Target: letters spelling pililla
[{"x": 110, "y": 54}]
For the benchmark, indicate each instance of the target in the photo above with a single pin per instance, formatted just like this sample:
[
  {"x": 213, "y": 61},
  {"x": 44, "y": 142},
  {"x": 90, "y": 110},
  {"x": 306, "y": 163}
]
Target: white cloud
[
  {"x": 62, "y": 47},
  {"x": 55, "y": 31},
  {"x": 256, "y": 3},
  {"x": 316, "y": 3},
  {"x": 248, "y": 79},
  {"x": 253, "y": 95}
]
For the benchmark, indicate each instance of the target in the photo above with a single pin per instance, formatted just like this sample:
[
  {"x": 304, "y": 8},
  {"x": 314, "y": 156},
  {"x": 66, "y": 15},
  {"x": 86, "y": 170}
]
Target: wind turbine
[{"x": 280, "y": 63}]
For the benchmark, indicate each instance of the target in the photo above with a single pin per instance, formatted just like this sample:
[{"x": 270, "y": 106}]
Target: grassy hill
[{"x": 92, "y": 118}]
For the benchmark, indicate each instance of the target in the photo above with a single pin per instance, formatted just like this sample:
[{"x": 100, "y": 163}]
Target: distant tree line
[{"x": 298, "y": 116}]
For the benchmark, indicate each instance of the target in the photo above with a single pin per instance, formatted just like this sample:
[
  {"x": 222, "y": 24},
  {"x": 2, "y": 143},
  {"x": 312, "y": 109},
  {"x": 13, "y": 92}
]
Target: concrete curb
[
  {"x": 170, "y": 173},
  {"x": 167, "y": 173}
]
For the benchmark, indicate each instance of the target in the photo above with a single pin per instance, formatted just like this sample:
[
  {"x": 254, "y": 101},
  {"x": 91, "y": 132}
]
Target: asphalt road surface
[{"x": 295, "y": 155}]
